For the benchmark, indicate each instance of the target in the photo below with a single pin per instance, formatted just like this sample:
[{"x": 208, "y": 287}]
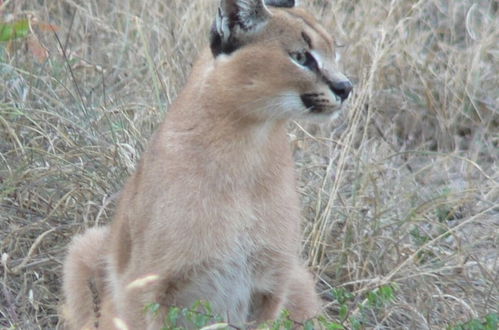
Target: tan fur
[{"x": 212, "y": 212}]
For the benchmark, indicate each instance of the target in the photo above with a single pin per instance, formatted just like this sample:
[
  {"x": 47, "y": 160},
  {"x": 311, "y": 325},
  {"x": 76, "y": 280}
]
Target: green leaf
[
  {"x": 14, "y": 30},
  {"x": 196, "y": 305},
  {"x": 207, "y": 307},
  {"x": 153, "y": 308},
  {"x": 343, "y": 312},
  {"x": 288, "y": 324},
  {"x": 173, "y": 315},
  {"x": 373, "y": 299},
  {"x": 387, "y": 293},
  {"x": 335, "y": 326},
  {"x": 341, "y": 295},
  {"x": 201, "y": 320},
  {"x": 474, "y": 325},
  {"x": 492, "y": 321},
  {"x": 355, "y": 323},
  {"x": 309, "y": 325}
]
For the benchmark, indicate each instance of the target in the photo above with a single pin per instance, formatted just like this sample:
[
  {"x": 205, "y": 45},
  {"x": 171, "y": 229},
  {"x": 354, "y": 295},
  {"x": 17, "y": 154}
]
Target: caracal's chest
[
  {"x": 243, "y": 267},
  {"x": 227, "y": 282}
]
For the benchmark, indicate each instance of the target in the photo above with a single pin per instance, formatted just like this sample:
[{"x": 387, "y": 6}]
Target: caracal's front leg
[
  {"x": 302, "y": 300},
  {"x": 272, "y": 280}
]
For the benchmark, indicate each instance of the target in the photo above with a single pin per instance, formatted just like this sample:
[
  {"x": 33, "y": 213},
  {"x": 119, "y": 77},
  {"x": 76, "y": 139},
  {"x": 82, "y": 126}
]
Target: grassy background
[{"x": 404, "y": 192}]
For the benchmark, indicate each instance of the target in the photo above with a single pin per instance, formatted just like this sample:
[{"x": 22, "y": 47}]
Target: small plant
[
  {"x": 381, "y": 296},
  {"x": 283, "y": 322},
  {"x": 490, "y": 322},
  {"x": 351, "y": 315},
  {"x": 14, "y": 30},
  {"x": 343, "y": 297},
  {"x": 23, "y": 29},
  {"x": 199, "y": 315}
]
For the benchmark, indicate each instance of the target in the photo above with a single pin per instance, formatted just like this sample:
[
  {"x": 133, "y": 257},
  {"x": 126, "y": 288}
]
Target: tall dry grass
[{"x": 403, "y": 192}]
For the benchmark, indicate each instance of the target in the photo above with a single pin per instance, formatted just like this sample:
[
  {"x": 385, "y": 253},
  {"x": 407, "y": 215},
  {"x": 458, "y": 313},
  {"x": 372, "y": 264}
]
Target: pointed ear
[
  {"x": 235, "y": 18},
  {"x": 281, "y": 3}
]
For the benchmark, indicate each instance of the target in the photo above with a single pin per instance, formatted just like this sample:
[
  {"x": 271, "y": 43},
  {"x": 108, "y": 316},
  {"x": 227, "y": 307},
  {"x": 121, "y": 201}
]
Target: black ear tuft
[
  {"x": 235, "y": 21},
  {"x": 218, "y": 46},
  {"x": 281, "y": 3},
  {"x": 215, "y": 41}
]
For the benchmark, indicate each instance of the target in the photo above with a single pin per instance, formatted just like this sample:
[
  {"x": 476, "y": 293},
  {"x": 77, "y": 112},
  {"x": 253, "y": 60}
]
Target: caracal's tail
[{"x": 83, "y": 279}]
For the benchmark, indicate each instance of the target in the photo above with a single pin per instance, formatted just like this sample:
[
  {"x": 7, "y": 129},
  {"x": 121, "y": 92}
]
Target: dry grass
[{"x": 406, "y": 192}]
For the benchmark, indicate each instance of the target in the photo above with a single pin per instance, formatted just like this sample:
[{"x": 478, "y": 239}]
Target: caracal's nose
[{"x": 341, "y": 88}]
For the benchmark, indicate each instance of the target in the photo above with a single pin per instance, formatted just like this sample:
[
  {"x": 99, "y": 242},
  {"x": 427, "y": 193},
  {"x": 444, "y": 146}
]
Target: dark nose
[{"x": 341, "y": 88}]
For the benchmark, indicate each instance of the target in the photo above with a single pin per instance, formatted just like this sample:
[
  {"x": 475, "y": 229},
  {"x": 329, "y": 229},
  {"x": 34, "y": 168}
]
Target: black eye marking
[
  {"x": 305, "y": 59},
  {"x": 307, "y": 39},
  {"x": 311, "y": 62},
  {"x": 280, "y": 3}
]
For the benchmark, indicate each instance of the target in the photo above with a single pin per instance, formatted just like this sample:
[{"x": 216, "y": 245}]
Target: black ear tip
[
  {"x": 281, "y": 3},
  {"x": 215, "y": 41}
]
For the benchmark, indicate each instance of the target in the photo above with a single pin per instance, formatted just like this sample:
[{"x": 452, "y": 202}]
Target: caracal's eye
[
  {"x": 298, "y": 57},
  {"x": 304, "y": 59}
]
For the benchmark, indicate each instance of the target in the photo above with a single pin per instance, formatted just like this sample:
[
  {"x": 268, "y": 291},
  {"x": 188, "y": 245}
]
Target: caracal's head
[{"x": 279, "y": 58}]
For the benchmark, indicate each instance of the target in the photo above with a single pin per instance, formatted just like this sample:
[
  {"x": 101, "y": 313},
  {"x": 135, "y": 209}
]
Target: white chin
[
  {"x": 337, "y": 113},
  {"x": 331, "y": 114}
]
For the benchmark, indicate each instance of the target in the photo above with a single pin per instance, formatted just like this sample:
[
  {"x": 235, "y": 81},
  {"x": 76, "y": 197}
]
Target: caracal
[{"x": 212, "y": 211}]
